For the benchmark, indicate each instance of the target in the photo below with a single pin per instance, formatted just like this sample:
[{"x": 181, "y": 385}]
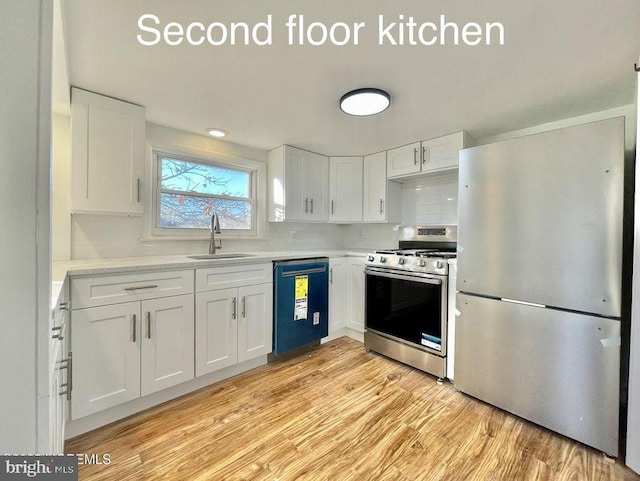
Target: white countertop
[{"x": 91, "y": 267}]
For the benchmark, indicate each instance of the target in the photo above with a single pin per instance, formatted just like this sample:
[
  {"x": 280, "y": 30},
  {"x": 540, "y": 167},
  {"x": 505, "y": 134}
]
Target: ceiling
[{"x": 560, "y": 59}]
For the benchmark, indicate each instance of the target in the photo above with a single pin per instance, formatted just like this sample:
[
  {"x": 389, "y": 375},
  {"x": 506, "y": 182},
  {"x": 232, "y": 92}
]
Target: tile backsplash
[{"x": 431, "y": 200}]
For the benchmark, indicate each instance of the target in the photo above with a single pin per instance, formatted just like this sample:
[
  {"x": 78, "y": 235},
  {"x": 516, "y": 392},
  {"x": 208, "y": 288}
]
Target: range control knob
[
  {"x": 383, "y": 259},
  {"x": 422, "y": 263},
  {"x": 439, "y": 264},
  {"x": 402, "y": 260},
  {"x": 371, "y": 258}
]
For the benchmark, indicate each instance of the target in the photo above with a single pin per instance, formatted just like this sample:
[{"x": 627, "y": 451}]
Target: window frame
[{"x": 151, "y": 218}]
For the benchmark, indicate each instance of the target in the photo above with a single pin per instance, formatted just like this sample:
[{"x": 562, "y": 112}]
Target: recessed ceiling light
[
  {"x": 366, "y": 101},
  {"x": 215, "y": 132}
]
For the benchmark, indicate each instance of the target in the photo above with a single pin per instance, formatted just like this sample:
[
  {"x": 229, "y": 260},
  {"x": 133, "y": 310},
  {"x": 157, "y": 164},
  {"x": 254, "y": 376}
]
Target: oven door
[{"x": 408, "y": 307}]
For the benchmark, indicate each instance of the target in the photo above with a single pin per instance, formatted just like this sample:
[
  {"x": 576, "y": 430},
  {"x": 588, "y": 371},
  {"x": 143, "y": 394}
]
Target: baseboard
[
  {"x": 102, "y": 418},
  {"x": 345, "y": 331},
  {"x": 355, "y": 335}
]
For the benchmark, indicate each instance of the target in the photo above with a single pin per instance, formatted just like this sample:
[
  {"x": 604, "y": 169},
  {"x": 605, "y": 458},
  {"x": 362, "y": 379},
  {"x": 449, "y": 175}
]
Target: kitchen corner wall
[{"x": 430, "y": 200}]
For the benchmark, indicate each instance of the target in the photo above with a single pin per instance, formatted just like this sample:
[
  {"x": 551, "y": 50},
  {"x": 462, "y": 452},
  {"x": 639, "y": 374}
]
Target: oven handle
[{"x": 426, "y": 278}]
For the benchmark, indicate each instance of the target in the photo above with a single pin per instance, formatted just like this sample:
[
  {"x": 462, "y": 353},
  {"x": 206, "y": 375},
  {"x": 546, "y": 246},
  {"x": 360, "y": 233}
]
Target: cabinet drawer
[
  {"x": 233, "y": 276},
  {"x": 104, "y": 290}
]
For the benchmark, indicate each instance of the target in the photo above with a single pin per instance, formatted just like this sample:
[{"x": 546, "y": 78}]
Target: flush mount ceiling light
[
  {"x": 363, "y": 102},
  {"x": 215, "y": 132}
]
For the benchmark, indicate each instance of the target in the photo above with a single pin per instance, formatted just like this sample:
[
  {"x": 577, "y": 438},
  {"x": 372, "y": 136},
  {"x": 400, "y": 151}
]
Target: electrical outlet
[
  {"x": 316, "y": 318},
  {"x": 292, "y": 235}
]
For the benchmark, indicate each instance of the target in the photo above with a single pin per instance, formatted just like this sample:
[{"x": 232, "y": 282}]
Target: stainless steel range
[{"x": 406, "y": 297}]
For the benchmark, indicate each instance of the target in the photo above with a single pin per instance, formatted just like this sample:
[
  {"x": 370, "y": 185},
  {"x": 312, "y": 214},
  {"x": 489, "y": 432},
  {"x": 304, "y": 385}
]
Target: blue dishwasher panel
[{"x": 301, "y": 295}]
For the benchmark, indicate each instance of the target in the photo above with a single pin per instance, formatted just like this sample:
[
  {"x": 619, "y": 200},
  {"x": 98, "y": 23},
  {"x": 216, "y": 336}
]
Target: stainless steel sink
[{"x": 220, "y": 256}]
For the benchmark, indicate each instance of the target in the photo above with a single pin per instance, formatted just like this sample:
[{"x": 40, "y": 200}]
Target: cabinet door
[
  {"x": 375, "y": 187},
  {"x": 345, "y": 187},
  {"x": 442, "y": 153},
  {"x": 355, "y": 293},
  {"x": 167, "y": 342},
  {"x": 106, "y": 354},
  {"x": 216, "y": 330},
  {"x": 317, "y": 186},
  {"x": 296, "y": 199},
  {"x": 403, "y": 160},
  {"x": 255, "y": 321},
  {"x": 337, "y": 294},
  {"x": 57, "y": 402},
  {"x": 108, "y": 142}
]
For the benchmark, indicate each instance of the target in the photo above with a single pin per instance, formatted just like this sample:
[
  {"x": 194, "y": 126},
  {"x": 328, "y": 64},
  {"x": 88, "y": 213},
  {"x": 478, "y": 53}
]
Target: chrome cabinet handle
[
  {"x": 306, "y": 205},
  {"x": 150, "y": 286},
  {"x": 134, "y": 327},
  {"x": 148, "y": 325},
  {"x": 138, "y": 191},
  {"x": 312, "y": 206},
  {"x": 233, "y": 309},
  {"x": 332, "y": 208},
  {"x": 69, "y": 384},
  {"x": 424, "y": 155},
  {"x": 57, "y": 336},
  {"x": 415, "y": 156},
  {"x": 331, "y": 275},
  {"x": 244, "y": 306},
  {"x": 381, "y": 206}
]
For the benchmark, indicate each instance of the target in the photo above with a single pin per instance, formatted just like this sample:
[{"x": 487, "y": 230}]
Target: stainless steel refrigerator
[{"x": 539, "y": 275}]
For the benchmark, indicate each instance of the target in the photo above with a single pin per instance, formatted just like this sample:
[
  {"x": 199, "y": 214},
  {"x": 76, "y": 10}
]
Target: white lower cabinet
[
  {"x": 216, "y": 330},
  {"x": 59, "y": 371},
  {"x": 167, "y": 343},
  {"x": 355, "y": 293},
  {"x": 106, "y": 349},
  {"x": 255, "y": 326},
  {"x": 337, "y": 294},
  {"x": 346, "y": 294},
  {"x": 235, "y": 324},
  {"x": 124, "y": 351}
]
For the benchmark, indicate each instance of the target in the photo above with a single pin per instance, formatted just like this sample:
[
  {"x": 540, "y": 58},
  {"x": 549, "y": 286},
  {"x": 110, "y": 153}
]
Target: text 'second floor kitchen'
[{"x": 336, "y": 413}]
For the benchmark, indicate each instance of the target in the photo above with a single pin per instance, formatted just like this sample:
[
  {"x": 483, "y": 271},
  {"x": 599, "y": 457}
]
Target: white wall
[
  {"x": 25, "y": 115},
  {"x": 432, "y": 200},
  {"x": 61, "y": 187}
]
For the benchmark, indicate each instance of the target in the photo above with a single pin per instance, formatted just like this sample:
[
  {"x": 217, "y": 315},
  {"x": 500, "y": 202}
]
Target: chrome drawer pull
[{"x": 150, "y": 286}]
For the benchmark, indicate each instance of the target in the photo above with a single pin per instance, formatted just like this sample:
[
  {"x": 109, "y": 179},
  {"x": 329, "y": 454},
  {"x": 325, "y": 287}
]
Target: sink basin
[{"x": 220, "y": 256}]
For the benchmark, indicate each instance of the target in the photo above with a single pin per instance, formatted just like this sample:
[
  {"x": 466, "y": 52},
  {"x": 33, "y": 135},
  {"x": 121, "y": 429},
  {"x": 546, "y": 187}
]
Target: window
[{"x": 190, "y": 190}]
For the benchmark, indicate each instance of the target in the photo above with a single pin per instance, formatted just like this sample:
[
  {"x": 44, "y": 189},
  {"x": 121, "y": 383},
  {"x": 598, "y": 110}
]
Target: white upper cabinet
[
  {"x": 345, "y": 189},
  {"x": 427, "y": 156},
  {"x": 298, "y": 185},
  {"x": 107, "y": 154},
  {"x": 382, "y": 199},
  {"x": 403, "y": 160}
]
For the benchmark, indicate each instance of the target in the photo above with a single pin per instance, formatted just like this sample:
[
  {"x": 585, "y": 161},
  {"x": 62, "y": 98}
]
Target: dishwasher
[{"x": 301, "y": 303}]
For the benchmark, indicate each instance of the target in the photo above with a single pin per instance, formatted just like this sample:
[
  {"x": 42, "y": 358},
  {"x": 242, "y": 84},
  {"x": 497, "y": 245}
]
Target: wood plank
[{"x": 336, "y": 412}]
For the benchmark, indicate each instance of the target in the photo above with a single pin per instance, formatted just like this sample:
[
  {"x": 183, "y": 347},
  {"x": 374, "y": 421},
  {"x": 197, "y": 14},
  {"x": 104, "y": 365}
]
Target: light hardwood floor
[{"x": 336, "y": 413}]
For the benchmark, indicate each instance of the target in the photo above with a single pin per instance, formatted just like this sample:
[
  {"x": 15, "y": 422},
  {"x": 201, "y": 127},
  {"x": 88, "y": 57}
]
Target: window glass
[{"x": 189, "y": 192}]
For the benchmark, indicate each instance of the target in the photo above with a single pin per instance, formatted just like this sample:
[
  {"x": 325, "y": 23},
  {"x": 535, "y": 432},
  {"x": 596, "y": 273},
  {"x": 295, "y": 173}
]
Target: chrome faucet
[{"x": 215, "y": 229}]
